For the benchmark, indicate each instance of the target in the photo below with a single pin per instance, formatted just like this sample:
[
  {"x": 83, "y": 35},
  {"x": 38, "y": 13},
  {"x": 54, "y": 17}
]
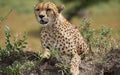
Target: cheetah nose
[{"x": 41, "y": 16}]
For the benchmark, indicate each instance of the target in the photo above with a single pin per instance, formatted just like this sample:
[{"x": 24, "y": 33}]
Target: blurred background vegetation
[{"x": 19, "y": 16}]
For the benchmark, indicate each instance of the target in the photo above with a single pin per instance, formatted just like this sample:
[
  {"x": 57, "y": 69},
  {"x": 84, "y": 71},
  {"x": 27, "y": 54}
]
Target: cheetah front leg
[{"x": 75, "y": 64}]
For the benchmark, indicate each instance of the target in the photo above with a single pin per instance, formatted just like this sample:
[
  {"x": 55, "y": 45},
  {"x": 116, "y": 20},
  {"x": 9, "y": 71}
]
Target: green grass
[{"x": 21, "y": 6}]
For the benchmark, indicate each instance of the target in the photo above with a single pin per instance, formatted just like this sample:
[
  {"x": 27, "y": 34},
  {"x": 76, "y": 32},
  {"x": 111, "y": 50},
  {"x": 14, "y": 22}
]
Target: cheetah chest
[{"x": 58, "y": 38}]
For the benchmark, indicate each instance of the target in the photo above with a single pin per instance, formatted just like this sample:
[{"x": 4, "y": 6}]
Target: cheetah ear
[{"x": 60, "y": 8}]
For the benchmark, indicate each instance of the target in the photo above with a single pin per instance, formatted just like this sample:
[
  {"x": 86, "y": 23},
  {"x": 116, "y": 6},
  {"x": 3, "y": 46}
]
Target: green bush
[
  {"x": 13, "y": 50},
  {"x": 13, "y": 59},
  {"x": 100, "y": 41},
  {"x": 13, "y": 69}
]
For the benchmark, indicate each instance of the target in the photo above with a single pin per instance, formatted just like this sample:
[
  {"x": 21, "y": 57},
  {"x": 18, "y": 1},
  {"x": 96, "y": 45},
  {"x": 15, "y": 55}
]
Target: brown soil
[{"x": 104, "y": 65}]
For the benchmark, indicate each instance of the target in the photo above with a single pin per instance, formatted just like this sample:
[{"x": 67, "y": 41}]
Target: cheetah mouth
[{"x": 43, "y": 22}]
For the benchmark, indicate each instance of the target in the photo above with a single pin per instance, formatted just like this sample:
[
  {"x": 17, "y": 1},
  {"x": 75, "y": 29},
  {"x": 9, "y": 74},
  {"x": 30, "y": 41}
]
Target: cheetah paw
[
  {"x": 46, "y": 54},
  {"x": 74, "y": 72}
]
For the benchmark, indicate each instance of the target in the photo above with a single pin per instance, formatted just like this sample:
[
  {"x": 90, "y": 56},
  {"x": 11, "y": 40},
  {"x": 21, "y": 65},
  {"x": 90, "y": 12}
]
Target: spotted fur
[{"x": 59, "y": 34}]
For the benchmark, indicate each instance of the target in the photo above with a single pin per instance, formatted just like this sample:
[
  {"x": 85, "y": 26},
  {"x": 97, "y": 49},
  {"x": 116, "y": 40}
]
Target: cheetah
[{"x": 59, "y": 34}]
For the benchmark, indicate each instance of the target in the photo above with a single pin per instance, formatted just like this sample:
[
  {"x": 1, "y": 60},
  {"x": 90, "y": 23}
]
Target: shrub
[
  {"x": 13, "y": 69},
  {"x": 13, "y": 50},
  {"x": 100, "y": 41}
]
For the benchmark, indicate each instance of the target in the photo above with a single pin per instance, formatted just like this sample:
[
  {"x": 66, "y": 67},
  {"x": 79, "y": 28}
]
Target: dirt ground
[
  {"x": 105, "y": 65},
  {"x": 109, "y": 64}
]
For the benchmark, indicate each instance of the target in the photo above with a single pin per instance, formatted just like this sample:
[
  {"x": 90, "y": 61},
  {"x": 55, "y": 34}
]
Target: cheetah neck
[{"x": 62, "y": 19}]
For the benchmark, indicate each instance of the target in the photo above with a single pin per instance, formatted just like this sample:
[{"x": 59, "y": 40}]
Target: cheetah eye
[
  {"x": 37, "y": 9},
  {"x": 48, "y": 9}
]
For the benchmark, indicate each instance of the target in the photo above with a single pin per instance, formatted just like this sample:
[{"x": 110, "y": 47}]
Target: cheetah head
[{"x": 47, "y": 12}]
